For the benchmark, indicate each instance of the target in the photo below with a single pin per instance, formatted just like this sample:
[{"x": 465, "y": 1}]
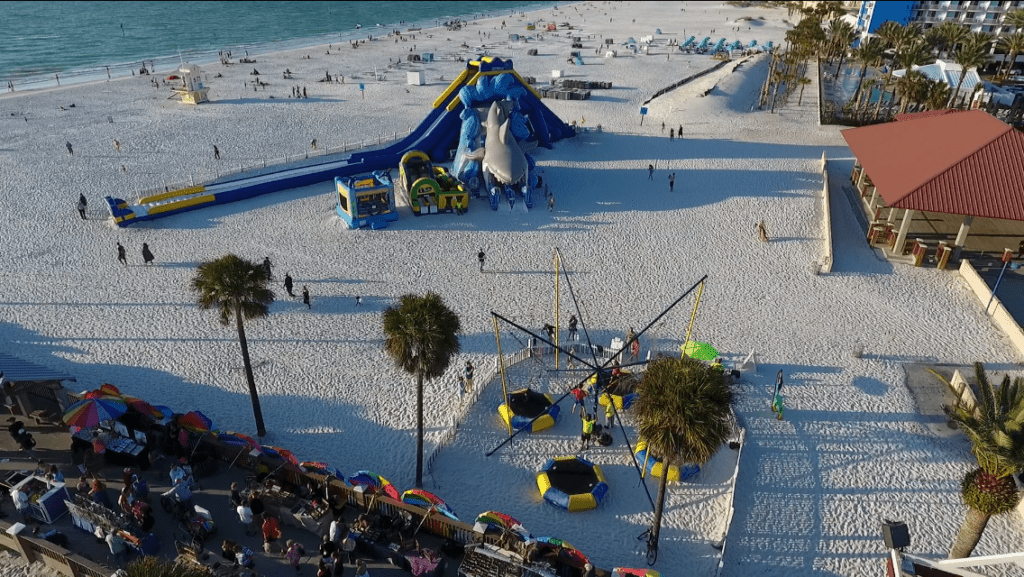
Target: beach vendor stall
[
  {"x": 119, "y": 449},
  {"x": 310, "y": 514},
  {"x": 46, "y": 497},
  {"x": 100, "y": 521}
]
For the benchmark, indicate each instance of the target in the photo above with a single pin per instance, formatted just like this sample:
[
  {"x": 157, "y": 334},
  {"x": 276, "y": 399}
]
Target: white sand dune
[{"x": 812, "y": 489}]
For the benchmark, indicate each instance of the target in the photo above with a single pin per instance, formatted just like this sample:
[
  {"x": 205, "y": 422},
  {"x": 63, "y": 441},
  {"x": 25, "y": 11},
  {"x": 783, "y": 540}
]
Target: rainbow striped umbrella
[
  {"x": 143, "y": 407},
  {"x": 427, "y": 500},
  {"x": 91, "y": 412},
  {"x": 279, "y": 453},
  {"x": 374, "y": 483},
  {"x": 501, "y": 522},
  {"x": 196, "y": 422},
  {"x": 237, "y": 439},
  {"x": 105, "y": 390},
  {"x": 566, "y": 553}
]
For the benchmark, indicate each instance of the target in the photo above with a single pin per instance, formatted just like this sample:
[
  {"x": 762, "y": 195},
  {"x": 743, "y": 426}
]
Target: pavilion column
[
  {"x": 871, "y": 204},
  {"x": 892, "y": 215},
  {"x": 961, "y": 236},
  {"x": 901, "y": 238}
]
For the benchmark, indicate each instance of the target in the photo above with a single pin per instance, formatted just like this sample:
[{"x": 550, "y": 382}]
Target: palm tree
[
  {"x": 420, "y": 334},
  {"x": 238, "y": 288},
  {"x": 841, "y": 35},
  {"x": 1014, "y": 18},
  {"x": 937, "y": 95},
  {"x": 1014, "y": 45},
  {"x": 683, "y": 412},
  {"x": 995, "y": 428},
  {"x": 803, "y": 81},
  {"x": 912, "y": 87},
  {"x": 146, "y": 566},
  {"x": 870, "y": 53},
  {"x": 952, "y": 34},
  {"x": 971, "y": 54}
]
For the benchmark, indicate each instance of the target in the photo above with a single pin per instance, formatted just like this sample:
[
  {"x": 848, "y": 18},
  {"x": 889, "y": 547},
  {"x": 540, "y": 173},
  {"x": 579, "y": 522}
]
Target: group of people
[{"x": 122, "y": 254}]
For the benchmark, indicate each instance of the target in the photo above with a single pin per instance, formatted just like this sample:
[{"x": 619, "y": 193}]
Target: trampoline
[
  {"x": 621, "y": 389},
  {"x": 654, "y": 466},
  {"x": 525, "y": 405},
  {"x": 572, "y": 483}
]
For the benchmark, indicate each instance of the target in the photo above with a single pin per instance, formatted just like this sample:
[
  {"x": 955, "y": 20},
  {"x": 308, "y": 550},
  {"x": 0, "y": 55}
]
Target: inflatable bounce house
[
  {"x": 489, "y": 115},
  {"x": 428, "y": 188},
  {"x": 366, "y": 201}
]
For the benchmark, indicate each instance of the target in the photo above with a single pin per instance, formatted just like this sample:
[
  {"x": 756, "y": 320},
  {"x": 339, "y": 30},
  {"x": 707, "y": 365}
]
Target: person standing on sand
[
  {"x": 672, "y": 182},
  {"x": 305, "y": 297},
  {"x": 147, "y": 255},
  {"x": 679, "y": 132},
  {"x": 117, "y": 146},
  {"x": 551, "y": 203},
  {"x": 216, "y": 152},
  {"x": 122, "y": 256},
  {"x": 762, "y": 232},
  {"x": 650, "y": 172},
  {"x": 288, "y": 284},
  {"x": 80, "y": 206},
  {"x": 671, "y": 133},
  {"x": 71, "y": 151},
  {"x": 480, "y": 257},
  {"x": 359, "y": 300}
]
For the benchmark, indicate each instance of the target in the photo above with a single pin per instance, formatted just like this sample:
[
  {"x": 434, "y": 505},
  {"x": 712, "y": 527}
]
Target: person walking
[
  {"x": 305, "y": 297},
  {"x": 672, "y": 182},
  {"x": 294, "y": 554},
  {"x": 468, "y": 373},
  {"x": 245, "y": 517},
  {"x": 480, "y": 257},
  {"x": 216, "y": 152},
  {"x": 71, "y": 151},
  {"x": 288, "y": 284},
  {"x": 762, "y": 232},
  {"x": 609, "y": 414},
  {"x": 271, "y": 533},
  {"x": 671, "y": 133},
  {"x": 268, "y": 268},
  {"x": 122, "y": 255},
  {"x": 117, "y": 146},
  {"x": 80, "y": 207},
  {"x": 663, "y": 128},
  {"x": 679, "y": 133},
  {"x": 551, "y": 203},
  {"x": 359, "y": 300},
  {"x": 572, "y": 327},
  {"x": 458, "y": 205},
  {"x": 650, "y": 172},
  {"x": 147, "y": 255},
  {"x": 312, "y": 144}
]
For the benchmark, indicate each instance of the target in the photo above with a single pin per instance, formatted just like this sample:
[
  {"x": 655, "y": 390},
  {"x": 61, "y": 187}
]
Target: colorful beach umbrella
[
  {"x": 427, "y": 500},
  {"x": 374, "y": 483},
  {"x": 105, "y": 390},
  {"x": 700, "y": 351},
  {"x": 566, "y": 553},
  {"x": 237, "y": 439},
  {"x": 502, "y": 522},
  {"x": 279, "y": 453},
  {"x": 322, "y": 468},
  {"x": 196, "y": 422},
  {"x": 91, "y": 412},
  {"x": 143, "y": 407}
]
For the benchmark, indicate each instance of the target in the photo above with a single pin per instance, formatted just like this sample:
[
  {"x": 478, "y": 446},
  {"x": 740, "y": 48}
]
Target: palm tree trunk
[
  {"x": 660, "y": 504},
  {"x": 952, "y": 97},
  {"x": 969, "y": 535},
  {"x": 419, "y": 429},
  {"x": 257, "y": 411},
  {"x": 840, "y": 67},
  {"x": 860, "y": 81}
]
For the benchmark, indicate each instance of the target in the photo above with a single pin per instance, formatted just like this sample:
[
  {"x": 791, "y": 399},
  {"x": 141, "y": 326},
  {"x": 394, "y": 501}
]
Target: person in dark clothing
[
  {"x": 80, "y": 207},
  {"x": 671, "y": 133},
  {"x": 650, "y": 172},
  {"x": 480, "y": 257},
  {"x": 147, "y": 255},
  {"x": 122, "y": 256},
  {"x": 71, "y": 151},
  {"x": 550, "y": 330},
  {"x": 216, "y": 152},
  {"x": 305, "y": 297},
  {"x": 572, "y": 327},
  {"x": 268, "y": 267},
  {"x": 14, "y": 427},
  {"x": 288, "y": 284},
  {"x": 679, "y": 133},
  {"x": 328, "y": 547},
  {"x": 235, "y": 496}
]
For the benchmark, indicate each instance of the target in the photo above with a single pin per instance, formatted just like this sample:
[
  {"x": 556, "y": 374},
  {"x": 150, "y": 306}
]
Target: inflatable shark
[{"x": 504, "y": 163}]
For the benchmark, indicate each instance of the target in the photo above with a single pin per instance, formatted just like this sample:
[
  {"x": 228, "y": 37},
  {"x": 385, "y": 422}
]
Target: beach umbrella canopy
[
  {"x": 566, "y": 553},
  {"x": 143, "y": 407},
  {"x": 105, "y": 390},
  {"x": 91, "y": 412},
  {"x": 501, "y": 521},
  {"x": 279, "y": 453},
  {"x": 237, "y": 439},
  {"x": 374, "y": 483},
  {"x": 196, "y": 422},
  {"x": 700, "y": 351},
  {"x": 322, "y": 468},
  {"x": 427, "y": 500}
]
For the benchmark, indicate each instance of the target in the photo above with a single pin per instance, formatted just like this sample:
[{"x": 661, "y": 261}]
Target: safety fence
[
  {"x": 264, "y": 166},
  {"x": 732, "y": 499},
  {"x": 1002, "y": 317},
  {"x": 826, "y": 265},
  {"x": 672, "y": 87},
  {"x": 59, "y": 559}
]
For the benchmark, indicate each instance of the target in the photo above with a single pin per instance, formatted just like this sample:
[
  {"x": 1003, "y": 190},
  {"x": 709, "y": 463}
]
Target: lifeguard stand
[{"x": 193, "y": 89}]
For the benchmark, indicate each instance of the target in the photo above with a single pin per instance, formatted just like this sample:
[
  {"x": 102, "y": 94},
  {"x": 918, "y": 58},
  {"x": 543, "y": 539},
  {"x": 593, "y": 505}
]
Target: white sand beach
[{"x": 812, "y": 490}]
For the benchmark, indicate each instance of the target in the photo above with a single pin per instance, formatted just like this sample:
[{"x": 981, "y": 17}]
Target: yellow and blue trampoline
[
  {"x": 525, "y": 405},
  {"x": 655, "y": 467},
  {"x": 572, "y": 483}
]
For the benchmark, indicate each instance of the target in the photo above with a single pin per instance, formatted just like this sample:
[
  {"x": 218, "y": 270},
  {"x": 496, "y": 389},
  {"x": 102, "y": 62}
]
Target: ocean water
[{"x": 82, "y": 41}]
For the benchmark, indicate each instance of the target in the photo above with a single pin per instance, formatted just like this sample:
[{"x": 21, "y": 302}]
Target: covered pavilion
[{"x": 942, "y": 170}]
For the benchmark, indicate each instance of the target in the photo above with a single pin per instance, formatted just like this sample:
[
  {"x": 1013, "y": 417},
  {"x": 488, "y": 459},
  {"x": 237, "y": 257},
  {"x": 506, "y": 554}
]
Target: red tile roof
[
  {"x": 968, "y": 163},
  {"x": 926, "y": 114}
]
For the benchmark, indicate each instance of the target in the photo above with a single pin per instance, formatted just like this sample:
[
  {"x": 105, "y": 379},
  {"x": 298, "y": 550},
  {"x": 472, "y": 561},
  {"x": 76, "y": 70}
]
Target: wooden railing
[{"x": 57, "y": 558}]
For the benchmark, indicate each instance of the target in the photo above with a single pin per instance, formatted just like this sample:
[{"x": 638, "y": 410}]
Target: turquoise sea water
[{"x": 81, "y": 40}]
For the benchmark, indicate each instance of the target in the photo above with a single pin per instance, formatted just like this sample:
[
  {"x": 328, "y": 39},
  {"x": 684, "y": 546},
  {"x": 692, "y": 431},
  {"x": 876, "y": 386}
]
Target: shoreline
[{"x": 96, "y": 72}]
